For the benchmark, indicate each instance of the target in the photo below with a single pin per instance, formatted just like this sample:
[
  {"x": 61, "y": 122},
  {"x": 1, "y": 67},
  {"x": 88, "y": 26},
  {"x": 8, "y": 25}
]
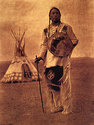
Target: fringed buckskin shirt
[{"x": 50, "y": 59}]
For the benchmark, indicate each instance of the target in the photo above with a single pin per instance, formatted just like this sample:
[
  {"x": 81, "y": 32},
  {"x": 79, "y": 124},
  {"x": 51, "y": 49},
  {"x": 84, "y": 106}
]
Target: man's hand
[{"x": 38, "y": 59}]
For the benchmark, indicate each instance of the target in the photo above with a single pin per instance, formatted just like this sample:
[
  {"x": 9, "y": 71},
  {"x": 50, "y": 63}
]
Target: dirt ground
[{"x": 20, "y": 103}]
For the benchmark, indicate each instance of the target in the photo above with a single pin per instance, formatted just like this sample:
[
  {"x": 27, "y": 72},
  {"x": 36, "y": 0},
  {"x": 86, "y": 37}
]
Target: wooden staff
[{"x": 39, "y": 84}]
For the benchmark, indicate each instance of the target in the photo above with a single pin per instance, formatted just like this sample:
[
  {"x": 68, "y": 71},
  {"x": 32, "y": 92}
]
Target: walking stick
[{"x": 39, "y": 85}]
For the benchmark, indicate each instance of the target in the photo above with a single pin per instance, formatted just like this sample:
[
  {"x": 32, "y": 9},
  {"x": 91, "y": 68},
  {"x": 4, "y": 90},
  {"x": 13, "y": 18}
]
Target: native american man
[{"x": 57, "y": 65}]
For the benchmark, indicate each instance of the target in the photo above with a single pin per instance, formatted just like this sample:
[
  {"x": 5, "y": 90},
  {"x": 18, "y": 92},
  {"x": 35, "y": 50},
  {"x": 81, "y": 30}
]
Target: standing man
[{"x": 58, "y": 43}]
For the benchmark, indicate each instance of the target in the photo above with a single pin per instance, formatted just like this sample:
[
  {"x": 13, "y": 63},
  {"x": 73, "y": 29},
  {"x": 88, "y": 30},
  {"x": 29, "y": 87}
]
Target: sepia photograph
[{"x": 46, "y": 62}]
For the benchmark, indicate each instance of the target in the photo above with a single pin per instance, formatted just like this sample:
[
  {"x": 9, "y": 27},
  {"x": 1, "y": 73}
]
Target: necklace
[{"x": 55, "y": 29}]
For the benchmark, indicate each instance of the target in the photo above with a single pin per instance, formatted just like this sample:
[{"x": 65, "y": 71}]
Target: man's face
[{"x": 55, "y": 16}]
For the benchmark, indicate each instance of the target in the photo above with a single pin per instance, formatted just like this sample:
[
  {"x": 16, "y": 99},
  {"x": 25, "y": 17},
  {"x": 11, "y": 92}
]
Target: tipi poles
[{"x": 39, "y": 85}]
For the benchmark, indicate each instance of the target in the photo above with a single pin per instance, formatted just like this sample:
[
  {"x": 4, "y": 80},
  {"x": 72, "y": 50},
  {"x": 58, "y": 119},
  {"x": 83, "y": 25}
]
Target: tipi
[{"x": 20, "y": 69}]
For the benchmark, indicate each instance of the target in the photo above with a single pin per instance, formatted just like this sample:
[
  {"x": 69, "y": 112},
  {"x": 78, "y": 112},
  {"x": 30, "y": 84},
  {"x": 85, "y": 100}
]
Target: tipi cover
[{"x": 20, "y": 69}]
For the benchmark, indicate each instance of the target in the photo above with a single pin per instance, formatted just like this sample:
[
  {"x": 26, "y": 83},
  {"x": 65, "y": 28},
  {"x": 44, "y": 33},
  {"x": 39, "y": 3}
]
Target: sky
[{"x": 32, "y": 16}]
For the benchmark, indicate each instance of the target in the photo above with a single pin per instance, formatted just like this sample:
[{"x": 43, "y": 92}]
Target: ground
[{"x": 20, "y": 103}]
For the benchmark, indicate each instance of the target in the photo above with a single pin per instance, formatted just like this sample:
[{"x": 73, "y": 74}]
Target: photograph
[{"x": 46, "y": 62}]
